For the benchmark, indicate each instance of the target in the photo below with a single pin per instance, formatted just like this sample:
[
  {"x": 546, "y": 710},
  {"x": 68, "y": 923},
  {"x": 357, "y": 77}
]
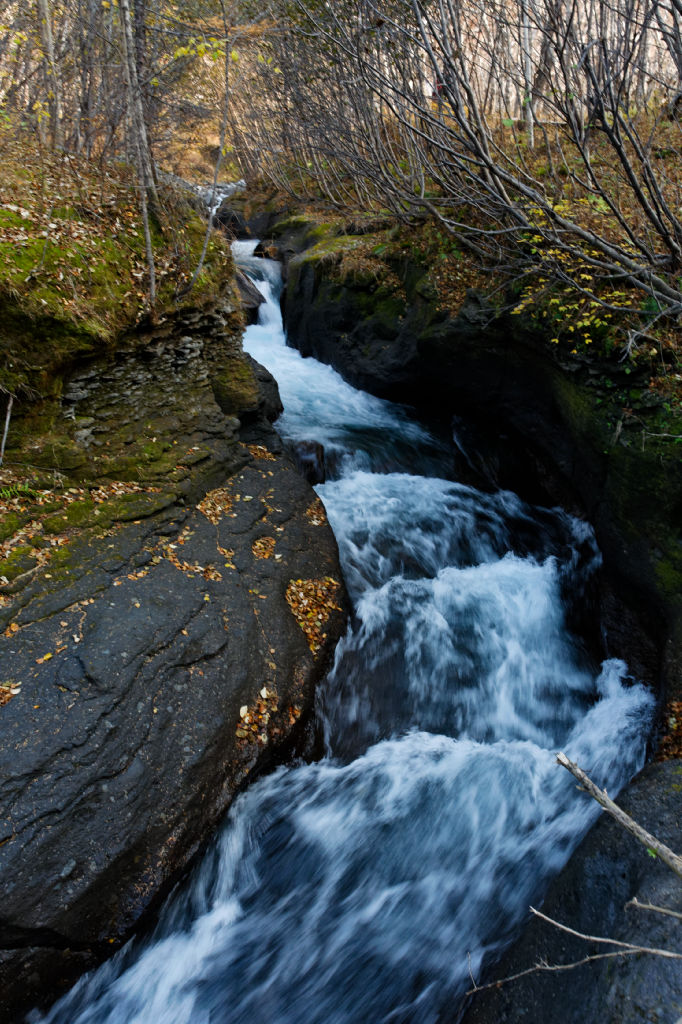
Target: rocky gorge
[
  {"x": 576, "y": 432},
  {"x": 155, "y": 609}
]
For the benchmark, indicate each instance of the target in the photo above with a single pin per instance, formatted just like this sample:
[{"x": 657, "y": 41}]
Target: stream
[{"x": 371, "y": 885}]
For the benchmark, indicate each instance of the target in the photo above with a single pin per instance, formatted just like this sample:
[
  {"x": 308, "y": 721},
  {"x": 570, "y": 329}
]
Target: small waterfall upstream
[{"x": 372, "y": 885}]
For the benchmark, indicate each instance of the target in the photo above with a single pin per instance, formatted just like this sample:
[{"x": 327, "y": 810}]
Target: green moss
[
  {"x": 65, "y": 300},
  {"x": 100, "y": 515},
  {"x": 324, "y": 230},
  {"x": 62, "y": 559},
  {"x": 152, "y": 451},
  {"x": 77, "y": 514},
  {"x": 80, "y": 513},
  {"x": 289, "y": 225},
  {"x": 10, "y": 523},
  {"x": 579, "y": 410},
  {"x": 669, "y": 570},
  {"x": 234, "y": 386},
  {"x": 20, "y": 560},
  {"x": 330, "y": 249},
  {"x": 389, "y": 308},
  {"x": 130, "y": 507}
]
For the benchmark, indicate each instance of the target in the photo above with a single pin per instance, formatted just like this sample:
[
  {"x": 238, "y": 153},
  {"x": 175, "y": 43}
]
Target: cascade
[{"x": 373, "y": 884}]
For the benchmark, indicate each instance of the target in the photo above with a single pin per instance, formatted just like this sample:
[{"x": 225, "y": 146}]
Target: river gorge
[{"x": 375, "y": 880}]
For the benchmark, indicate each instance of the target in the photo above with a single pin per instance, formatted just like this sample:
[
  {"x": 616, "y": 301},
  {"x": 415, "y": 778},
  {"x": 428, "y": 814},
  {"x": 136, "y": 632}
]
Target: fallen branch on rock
[
  {"x": 671, "y": 859},
  {"x": 634, "y": 902},
  {"x": 653, "y": 845}
]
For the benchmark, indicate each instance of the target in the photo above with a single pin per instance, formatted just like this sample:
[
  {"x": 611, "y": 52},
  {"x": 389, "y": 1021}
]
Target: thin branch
[
  {"x": 10, "y": 403},
  {"x": 634, "y": 902},
  {"x": 631, "y": 947},
  {"x": 543, "y": 967},
  {"x": 668, "y": 856},
  {"x": 624, "y": 949}
]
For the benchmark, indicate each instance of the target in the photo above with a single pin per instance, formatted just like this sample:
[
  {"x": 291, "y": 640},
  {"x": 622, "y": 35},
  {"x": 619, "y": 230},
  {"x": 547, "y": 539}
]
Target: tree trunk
[
  {"x": 140, "y": 141},
  {"x": 527, "y": 73},
  {"x": 138, "y": 127},
  {"x": 53, "y": 80}
]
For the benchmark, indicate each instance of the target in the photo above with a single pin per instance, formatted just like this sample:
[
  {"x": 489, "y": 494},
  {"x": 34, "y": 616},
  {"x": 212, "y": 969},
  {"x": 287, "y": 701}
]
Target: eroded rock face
[
  {"x": 231, "y": 220},
  {"x": 136, "y": 640}
]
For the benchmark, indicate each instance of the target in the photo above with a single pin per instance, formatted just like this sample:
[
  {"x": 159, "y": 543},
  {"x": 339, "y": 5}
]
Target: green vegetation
[{"x": 73, "y": 270}]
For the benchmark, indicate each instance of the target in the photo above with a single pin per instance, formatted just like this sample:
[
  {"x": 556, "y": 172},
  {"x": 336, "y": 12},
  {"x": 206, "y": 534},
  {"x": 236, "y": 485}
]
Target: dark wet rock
[
  {"x": 158, "y": 615},
  {"x": 231, "y": 220},
  {"x": 309, "y": 459},
  {"x": 284, "y": 238},
  {"x": 265, "y": 251},
  {"x": 250, "y": 296},
  {"x": 245, "y": 218},
  {"x": 609, "y": 869},
  {"x": 271, "y": 404}
]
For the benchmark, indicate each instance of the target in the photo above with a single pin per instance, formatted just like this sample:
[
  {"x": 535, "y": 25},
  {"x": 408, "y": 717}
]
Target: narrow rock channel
[{"x": 371, "y": 884}]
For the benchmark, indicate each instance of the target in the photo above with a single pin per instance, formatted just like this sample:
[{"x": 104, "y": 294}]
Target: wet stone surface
[{"x": 132, "y": 647}]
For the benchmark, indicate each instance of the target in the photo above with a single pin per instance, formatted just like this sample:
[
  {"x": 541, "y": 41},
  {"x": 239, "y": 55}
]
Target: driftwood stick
[
  {"x": 542, "y": 966},
  {"x": 668, "y": 856},
  {"x": 10, "y": 403}
]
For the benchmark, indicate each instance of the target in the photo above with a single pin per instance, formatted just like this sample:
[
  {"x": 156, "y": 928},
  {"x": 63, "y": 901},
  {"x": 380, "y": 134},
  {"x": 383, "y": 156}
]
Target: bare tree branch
[
  {"x": 668, "y": 856},
  {"x": 634, "y": 902},
  {"x": 630, "y": 947}
]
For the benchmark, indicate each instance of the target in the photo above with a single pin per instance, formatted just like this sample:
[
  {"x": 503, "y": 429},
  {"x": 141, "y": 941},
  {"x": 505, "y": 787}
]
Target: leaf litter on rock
[
  {"x": 216, "y": 504},
  {"x": 312, "y": 602},
  {"x": 254, "y": 719},
  {"x": 264, "y": 547},
  {"x": 316, "y": 513},
  {"x": 259, "y": 451}
]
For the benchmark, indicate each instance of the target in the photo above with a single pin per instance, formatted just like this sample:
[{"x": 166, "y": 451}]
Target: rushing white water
[
  {"x": 213, "y": 195},
  {"x": 366, "y": 887}
]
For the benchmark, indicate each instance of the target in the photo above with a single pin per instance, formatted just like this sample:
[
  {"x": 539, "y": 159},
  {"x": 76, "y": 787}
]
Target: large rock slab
[
  {"x": 250, "y": 296},
  {"x": 153, "y": 648},
  {"x": 591, "y": 895}
]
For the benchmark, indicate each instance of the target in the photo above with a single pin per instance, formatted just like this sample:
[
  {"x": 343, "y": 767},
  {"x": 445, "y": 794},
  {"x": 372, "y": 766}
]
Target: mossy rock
[
  {"x": 131, "y": 507},
  {"x": 10, "y": 523},
  {"x": 290, "y": 225},
  {"x": 77, "y": 514},
  {"x": 44, "y": 331},
  {"x": 19, "y": 561},
  {"x": 235, "y": 386}
]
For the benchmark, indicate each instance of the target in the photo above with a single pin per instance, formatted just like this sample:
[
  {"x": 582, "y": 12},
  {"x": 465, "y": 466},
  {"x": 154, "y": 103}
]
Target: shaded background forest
[{"x": 543, "y": 135}]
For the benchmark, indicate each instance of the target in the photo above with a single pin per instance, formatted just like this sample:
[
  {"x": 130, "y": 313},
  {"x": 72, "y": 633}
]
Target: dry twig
[{"x": 668, "y": 856}]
